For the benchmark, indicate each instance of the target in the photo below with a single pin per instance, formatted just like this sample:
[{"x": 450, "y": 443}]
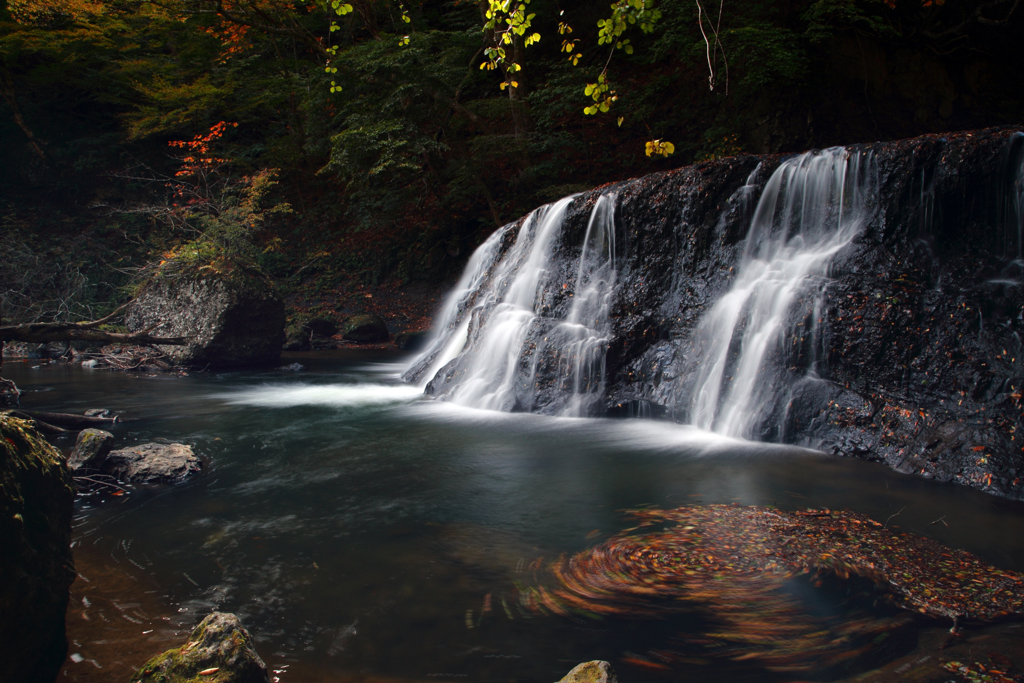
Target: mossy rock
[
  {"x": 91, "y": 449},
  {"x": 36, "y": 568},
  {"x": 596, "y": 671},
  {"x": 366, "y": 328},
  {"x": 230, "y": 319},
  {"x": 219, "y": 650}
]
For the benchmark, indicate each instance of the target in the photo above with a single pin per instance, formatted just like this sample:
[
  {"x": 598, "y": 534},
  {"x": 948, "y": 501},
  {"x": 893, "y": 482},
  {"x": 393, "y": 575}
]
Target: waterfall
[
  {"x": 512, "y": 302},
  {"x": 586, "y": 331},
  {"x": 504, "y": 316},
  {"x": 812, "y": 206},
  {"x": 451, "y": 327}
]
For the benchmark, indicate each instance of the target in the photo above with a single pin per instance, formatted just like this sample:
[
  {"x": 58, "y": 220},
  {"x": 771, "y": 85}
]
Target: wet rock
[
  {"x": 218, "y": 650},
  {"x": 151, "y": 463},
  {"x": 36, "y": 568},
  {"x": 97, "y": 412},
  {"x": 412, "y": 341},
  {"x": 596, "y": 671},
  {"x": 918, "y": 328},
  {"x": 91, "y": 449},
  {"x": 10, "y": 395},
  {"x": 320, "y": 327},
  {"x": 233, "y": 319},
  {"x": 296, "y": 339},
  {"x": 367, "y": 328}
]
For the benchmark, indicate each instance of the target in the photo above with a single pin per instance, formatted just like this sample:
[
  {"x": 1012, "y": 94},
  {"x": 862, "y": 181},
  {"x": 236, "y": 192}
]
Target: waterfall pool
[{"x": 365, "y": 533}]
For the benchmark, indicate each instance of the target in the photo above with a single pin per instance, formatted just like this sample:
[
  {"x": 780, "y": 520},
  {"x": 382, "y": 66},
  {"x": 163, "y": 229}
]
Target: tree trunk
[{"x": 7, "y": 89}]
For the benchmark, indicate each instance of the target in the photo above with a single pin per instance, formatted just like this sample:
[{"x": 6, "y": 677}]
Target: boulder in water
[
  {"x": 36, "y": 568},
  {"x": 596, "y": 671},
  {"x": 91, "y": 450},
  {"x": 231, "y": 319},
  {"x": 366, "y": 328},
  {"x": 218, "y": 650},
  {"x": 152, "y": 463}
]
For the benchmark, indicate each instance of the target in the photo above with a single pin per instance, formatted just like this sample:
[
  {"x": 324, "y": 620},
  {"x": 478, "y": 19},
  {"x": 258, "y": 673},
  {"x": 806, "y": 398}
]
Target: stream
[{"x": 363, "y": 532}]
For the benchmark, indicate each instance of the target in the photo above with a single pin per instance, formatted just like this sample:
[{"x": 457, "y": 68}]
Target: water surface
[{"x": 363, "y": 532}]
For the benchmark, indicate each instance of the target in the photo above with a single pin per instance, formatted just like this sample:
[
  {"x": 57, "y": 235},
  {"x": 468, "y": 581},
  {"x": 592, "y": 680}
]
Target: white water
[
  {"x": 329, "y": 395},
  {"x": 449, "y": 335},
  {"x": 499, "y": 324},
  {"x": 812, "y": 206},
  {"x": 514, "y": 299},
  {"x": 586, "y": 331},
  {"x": 507, "y": 298}
]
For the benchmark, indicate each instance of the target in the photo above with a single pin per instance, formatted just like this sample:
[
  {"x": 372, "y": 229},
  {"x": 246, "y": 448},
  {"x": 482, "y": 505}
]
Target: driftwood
[
  {"x": 43, "y": 333},
  {"x": 69, "y": 419},
  {"x": 44, "y": 427}
]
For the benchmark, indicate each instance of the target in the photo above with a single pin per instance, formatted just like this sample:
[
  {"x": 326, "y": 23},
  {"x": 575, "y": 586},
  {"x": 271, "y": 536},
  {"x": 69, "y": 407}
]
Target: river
[{"x": 365, "y": 533}]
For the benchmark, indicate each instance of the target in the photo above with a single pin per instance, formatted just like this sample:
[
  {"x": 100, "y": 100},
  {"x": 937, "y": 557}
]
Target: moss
[
  {"x": 36, "y": 570},
  {"x": 218, "y": 642}
]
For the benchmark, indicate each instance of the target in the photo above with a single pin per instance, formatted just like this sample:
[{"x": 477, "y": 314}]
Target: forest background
[{"x": 358, "y": 152}]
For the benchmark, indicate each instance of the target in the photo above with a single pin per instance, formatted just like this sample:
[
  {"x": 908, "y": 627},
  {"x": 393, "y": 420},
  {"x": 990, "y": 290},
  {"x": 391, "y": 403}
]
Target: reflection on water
[{"x": 362, "y": 532}]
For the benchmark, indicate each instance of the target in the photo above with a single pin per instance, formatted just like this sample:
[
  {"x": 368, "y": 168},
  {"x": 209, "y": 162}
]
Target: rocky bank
[{"x": 36, "y": 568}]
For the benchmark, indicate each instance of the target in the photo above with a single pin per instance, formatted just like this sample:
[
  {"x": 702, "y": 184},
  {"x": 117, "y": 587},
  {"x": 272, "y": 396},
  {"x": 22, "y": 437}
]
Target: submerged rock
[
  {"x": 36, "y": 568},
  {"x": 367, "y": 328},
  {"x": 232, "y": 319},
  {"x": 151, "y": 463},
  {"x": 219, "y": 650},
  {"x": 596, "y": 671},
  {"x": 91, "y": 449}
]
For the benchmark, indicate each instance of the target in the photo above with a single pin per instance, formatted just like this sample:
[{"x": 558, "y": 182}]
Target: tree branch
[{"x": 43, "y": 333}]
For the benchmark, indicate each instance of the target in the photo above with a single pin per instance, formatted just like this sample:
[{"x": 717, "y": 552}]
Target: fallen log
[
  {"x": 69, "y": 419},
  {"x": 44, "y": 427},
  {"x": 44, "y": 333}
]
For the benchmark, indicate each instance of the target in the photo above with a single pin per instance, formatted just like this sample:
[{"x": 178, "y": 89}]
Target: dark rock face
[
  {"x": 231, "y": 320},
  {"x": 151, "y": 463},
  {"x": 36, "y": 569},
  {"x": 91, "y": 449},
  {"x": 918, "y": 359},
  {"x": 219, "y": 650},
  {"x": 320, "y": 327},
  {"x": 367, "y": 328},
  {"x": 411, "y": 341}
]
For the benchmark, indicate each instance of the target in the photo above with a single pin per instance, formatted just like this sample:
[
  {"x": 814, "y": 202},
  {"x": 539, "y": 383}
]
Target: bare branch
[{"x": 44, "y": 333}]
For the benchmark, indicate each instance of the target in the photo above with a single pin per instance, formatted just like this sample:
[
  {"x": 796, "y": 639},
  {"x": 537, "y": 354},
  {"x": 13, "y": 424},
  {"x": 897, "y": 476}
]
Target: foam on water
[{"x": 331, "y": 395}]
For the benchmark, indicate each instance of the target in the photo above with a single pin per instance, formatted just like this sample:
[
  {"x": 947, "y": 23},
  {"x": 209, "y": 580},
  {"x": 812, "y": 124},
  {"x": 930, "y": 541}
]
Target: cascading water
[
  {"x": 513, "y": 299},
  {"x": 812, "y": 206},
  {"x": 490, "y": 322},
  {"x": 451, "y": 328},
  {"x": 710, "y": 295},
  {"x": 586, "y": 331}
]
